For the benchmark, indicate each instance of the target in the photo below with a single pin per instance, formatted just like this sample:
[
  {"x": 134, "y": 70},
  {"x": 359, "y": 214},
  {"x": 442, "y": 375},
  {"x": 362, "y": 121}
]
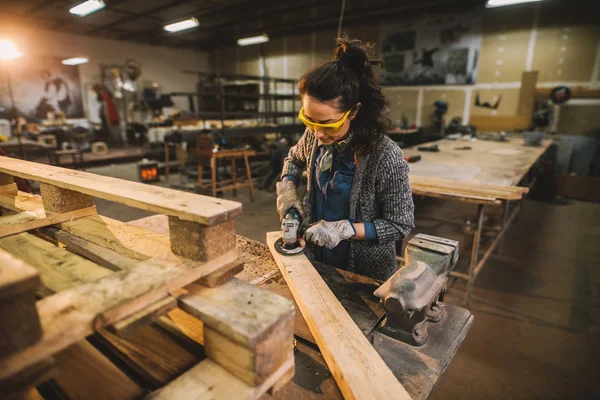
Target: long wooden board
[
  {"x": 356, "y": 367},
  {"x": 9, "y": 225},
  {"x": 187, "y": 206}
]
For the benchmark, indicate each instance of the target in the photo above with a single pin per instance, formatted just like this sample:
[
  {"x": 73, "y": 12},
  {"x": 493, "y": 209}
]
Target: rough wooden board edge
[
  {"x": 48, "y": 220},
  {"x": 223, "y": 275},
  {"x": 16, "y": 276},
  {"x": 11, "y": 187},
  {"x": 208, "y": 380},
  {"x": 356, "y": 366},
  {"x": 64, "y": 324},
  {"x": 127, "y": 326},
  {"x": 188, "y": 206}
]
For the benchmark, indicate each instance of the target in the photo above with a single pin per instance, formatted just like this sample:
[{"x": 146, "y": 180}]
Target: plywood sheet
[
  {"x": 566, "y": 53},
  {"x": 503, "y": 55},
  {"x": 455, "y": 99},
  {"x": 508, "y": 103},
  {"x": 402, "y": 102}
]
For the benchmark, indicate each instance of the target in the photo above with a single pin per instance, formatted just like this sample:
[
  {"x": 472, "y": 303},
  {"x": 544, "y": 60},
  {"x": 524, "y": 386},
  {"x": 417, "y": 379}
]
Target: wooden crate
[{"x": 100, "y": 275}]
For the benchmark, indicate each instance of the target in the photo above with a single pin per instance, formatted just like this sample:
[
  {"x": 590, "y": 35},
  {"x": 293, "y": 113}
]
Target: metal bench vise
[{"x": 412, "y": 296}]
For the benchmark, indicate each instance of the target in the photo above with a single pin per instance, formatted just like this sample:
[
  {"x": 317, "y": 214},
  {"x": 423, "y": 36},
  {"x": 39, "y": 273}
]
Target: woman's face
[{"x": 326, "y": 113}]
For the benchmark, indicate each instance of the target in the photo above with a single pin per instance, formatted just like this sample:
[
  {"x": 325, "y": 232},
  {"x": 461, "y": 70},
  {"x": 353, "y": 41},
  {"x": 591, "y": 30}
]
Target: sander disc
[{"x": 289, "y": 252}]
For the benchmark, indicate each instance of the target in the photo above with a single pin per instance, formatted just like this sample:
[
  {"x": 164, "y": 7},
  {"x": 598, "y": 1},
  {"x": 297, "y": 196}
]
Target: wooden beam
[
  {"x": 186, "y": 206},
  {"x": 14, "y": 224},
  {"x": 85, "y": 373},
  {"x": 143, "y": 317},
  {"x": 356, "y": 367}
]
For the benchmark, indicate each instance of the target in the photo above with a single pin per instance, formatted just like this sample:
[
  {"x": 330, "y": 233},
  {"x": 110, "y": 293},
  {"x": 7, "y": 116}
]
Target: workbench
[
  {"x": 486, "y": 173},
  {"x": 420, "y": 368}
]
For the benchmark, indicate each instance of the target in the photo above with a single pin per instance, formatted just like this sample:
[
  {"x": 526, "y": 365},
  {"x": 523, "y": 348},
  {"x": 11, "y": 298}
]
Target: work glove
[
  {"x": 329, "y": 234},
  {"x": 287, "y": 199}
]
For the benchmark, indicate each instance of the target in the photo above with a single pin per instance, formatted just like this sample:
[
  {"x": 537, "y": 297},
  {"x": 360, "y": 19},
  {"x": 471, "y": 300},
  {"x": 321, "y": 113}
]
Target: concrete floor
[{"x": 536, "y": 333}]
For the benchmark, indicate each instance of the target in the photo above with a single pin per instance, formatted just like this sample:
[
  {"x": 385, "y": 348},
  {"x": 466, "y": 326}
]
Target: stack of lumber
[{"x": 104, "y": 278}]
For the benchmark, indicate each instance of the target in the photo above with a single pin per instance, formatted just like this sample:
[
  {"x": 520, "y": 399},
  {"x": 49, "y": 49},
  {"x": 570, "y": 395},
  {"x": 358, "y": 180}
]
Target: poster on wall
[
  {"x": 44, "y": 85},
  {"x": 437, "y": 51}
]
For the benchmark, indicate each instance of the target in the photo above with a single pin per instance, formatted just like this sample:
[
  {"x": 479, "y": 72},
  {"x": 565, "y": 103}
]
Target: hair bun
[{"x": 352, "y": 53}]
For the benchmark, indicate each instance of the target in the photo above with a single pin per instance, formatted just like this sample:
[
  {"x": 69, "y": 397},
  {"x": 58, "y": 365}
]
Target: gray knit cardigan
[{"x": 380, "y": 193}]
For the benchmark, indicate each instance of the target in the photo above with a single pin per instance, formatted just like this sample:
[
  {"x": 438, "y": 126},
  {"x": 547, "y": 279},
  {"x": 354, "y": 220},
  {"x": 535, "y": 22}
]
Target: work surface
[
  {"x": 418, "y": 369},
  {"x": 482, "y": 172},
  {"x": 489, "y": 162}
]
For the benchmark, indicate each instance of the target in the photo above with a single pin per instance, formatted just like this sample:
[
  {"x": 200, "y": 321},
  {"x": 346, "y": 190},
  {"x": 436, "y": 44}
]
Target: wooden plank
[
  {"x": 85, "y": 373},
  {"x": 21, "y": 325},
  {"x": 16, "y": 276},
  {"x": 357, "y": 368},
  {"x": 247, "y": 330},
  {"x": 7, "y": 229},
  {"x": 187, "y": 206},
  {"x": 209, "y": 380},
  {"x": 11, "y": 187},
  {"x": 154, "y": 356},
  {"x": 70, "y": 315},
  {"x": 59, "y": 269},
  {"x": 143, "y": 317}
]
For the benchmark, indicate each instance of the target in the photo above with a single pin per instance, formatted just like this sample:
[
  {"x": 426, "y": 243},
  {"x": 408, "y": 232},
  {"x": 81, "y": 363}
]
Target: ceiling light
[
  {"x": 87, "y": 7},
  {"x": 253, "y": 40},
  {"x": 182, "y": 25},
  {"x": 500, "y": 3},
  {"x": 8, "y": 50},
  {"x": 75, "y": 61}
]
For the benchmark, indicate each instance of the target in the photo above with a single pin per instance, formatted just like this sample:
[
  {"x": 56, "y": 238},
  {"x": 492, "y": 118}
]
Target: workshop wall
[
  {"x": 560, "y": 39},
  {"x": 159, "y": 64}
]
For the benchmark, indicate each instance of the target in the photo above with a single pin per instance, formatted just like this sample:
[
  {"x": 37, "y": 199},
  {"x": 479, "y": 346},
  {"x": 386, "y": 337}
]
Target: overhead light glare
[
  {"x": 75, "y": 61},
  {"x": 500, "y": 3},
  {"x": 253, "y": 40},
  {"x": 87, "y": 7},
  {"x": 182, "y": 25},
  {"x": 8, "y": 50}
]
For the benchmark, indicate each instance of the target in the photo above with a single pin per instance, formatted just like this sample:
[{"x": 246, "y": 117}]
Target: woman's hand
[
  {"x": 287, "y": 199},
  {"x": 329, "y": 234}
]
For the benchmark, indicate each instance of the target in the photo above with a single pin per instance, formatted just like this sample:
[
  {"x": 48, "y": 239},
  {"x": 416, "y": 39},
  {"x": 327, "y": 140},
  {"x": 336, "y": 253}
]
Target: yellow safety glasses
[{"x": 328, "y": 129}]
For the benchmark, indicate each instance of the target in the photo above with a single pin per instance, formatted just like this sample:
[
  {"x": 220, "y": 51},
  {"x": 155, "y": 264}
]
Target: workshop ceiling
[{"x": 221, "y": 21}]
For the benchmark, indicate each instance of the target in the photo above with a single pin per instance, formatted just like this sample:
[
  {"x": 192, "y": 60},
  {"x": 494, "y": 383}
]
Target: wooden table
[{"x": 485, "y": 173}]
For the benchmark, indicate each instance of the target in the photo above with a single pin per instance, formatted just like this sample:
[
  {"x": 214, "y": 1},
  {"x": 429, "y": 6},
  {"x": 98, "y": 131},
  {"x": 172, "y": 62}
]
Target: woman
[{"x": 358, "y": 201}]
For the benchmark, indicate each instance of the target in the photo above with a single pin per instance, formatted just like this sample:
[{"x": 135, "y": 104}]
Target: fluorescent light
[
  {"x": 8, "y": 50},
  {"x": 500, "y": 3},
  {"x": 87, "y": 7},
  {"x": 75, "y": 61},
  {"x": 253, "y": 40},
  {"x": 182, "y": 25}
]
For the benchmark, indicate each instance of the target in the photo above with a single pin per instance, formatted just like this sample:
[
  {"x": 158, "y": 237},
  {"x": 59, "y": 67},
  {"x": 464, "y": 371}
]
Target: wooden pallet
[{"x": 128, "y": 278}]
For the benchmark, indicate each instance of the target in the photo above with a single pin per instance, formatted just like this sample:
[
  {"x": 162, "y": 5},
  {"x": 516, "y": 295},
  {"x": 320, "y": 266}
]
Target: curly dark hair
[{"x": 347, "y": 80}]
